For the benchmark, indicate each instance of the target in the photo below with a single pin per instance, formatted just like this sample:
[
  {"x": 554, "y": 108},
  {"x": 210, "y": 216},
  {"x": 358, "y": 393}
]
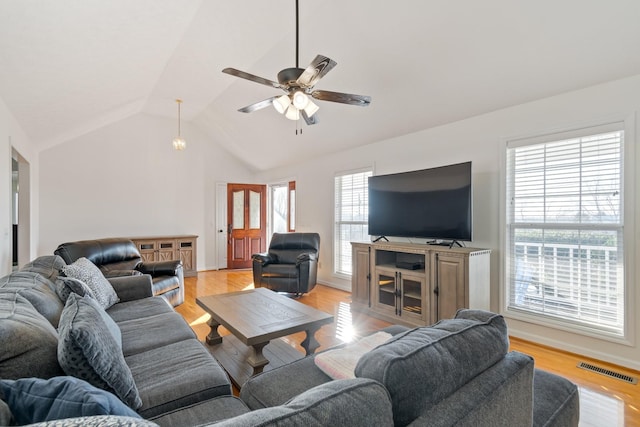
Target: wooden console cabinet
[
  {"x": 417, "y": 284},
  {"x": 169, "y": 248}
]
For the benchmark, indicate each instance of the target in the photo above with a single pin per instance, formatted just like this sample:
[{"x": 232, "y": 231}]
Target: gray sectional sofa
[
  {"x": 457, "y": 372},
  {"x": 169, "y": 366}
]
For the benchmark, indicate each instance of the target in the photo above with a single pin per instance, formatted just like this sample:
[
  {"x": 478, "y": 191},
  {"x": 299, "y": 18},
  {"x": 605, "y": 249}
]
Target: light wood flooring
[{"x": 604, "y": 401}]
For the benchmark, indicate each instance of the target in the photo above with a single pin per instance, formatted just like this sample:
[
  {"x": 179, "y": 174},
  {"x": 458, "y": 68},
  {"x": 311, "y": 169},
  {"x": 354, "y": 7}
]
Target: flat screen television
[{"x": 433, "y": 203}]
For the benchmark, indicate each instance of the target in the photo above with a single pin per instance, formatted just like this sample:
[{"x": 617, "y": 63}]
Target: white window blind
[
  {"x": 564, "y": 248},
  {"x": 351, "y": 216}
]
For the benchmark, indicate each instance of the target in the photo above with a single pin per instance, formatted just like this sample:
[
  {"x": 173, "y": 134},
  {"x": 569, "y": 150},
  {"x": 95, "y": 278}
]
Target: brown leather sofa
[
  {"x": 290, "y": 265},
  {"x": 120, "y": 257}
]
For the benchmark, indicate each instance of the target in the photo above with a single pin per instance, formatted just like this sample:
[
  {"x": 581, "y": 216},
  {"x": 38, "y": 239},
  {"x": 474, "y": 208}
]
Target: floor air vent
[{"x": 608, "y": 372}]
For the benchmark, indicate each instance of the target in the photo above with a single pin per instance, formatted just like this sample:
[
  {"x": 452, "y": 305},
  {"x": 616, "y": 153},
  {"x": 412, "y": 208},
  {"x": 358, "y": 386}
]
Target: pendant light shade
[
  {"x": 178, "y": 142},
  {"x": 311, "y": 108},
  {"x": 292, "y": 113}
]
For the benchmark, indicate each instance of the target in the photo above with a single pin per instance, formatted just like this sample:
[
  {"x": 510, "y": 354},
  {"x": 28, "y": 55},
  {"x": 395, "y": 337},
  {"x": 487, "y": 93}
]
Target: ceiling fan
[{"x": 298, "y": 84}]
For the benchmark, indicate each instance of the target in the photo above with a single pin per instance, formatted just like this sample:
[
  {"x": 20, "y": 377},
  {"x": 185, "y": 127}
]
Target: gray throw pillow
[
  {"x": 90, "y": 348},
  {"x": 86, "y": 271},
  {"x": 67, "y": 285}
]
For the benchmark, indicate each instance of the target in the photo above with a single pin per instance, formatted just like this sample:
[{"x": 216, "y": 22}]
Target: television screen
[{"x": 430, "y": 203}]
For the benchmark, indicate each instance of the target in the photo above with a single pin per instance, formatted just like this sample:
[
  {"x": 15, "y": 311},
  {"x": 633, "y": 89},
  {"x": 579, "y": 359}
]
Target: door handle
[{"x": 229, "y": 229}]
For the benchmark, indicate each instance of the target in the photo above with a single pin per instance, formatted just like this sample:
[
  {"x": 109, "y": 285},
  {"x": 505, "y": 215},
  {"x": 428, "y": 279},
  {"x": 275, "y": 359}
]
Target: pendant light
[{"x": 178, "y": 142}]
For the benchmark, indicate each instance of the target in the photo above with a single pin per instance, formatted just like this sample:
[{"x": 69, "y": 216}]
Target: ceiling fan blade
[
  {"x": 258, "y": 105},
  {"x": 253, "y": 78},
  {"x": 320, "y": 66},
  {"x": 343, "y": 98},
  {"x": 309, "y": 120}
]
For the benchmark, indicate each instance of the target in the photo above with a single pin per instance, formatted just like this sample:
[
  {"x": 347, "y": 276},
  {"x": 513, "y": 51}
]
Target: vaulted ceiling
[{"x": 68, "y": 67}]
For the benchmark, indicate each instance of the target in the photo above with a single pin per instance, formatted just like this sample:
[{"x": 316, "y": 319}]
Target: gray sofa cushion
[
  {"x": 29, "y": 342},
  {"x": 86, "y": 271},
  {"x": 352, "y": 402},
  {"x": 47, "y": 265},
  {"x": 5, "y": 414},
  {"x": 176, "y": 375},
  {"x": 131, "y": 288},
  {"x": 501, "y": 396},
  {"x": 556, "y": 402},
  {"x": 205, "y": 412},
  {"x": 159, "y": 330},
  {"x": 90, "y": 348},
  {"x": 139, "y": 309},
  {"x": 277, "y": 386},
  {"x": 40, "y": 291},
  {"x": 425, "y": 365}
]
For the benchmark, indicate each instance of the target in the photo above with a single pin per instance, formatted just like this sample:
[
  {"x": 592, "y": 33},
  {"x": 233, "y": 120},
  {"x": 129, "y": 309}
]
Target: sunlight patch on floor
[
  {"x": 200, "y": 320},
  {"x": 344, "y": 323},
  {"x": 597, "y": 409}
]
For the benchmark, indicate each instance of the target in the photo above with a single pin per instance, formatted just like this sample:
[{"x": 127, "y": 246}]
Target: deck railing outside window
[
  {"x": 565, "y": 229},
  {"x": 579, "y": 281}
]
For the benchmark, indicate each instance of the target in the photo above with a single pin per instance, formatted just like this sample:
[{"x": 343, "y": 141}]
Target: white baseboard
[
  {"x": 346, "y": 288},
  {"x": 587, "y": 352}
]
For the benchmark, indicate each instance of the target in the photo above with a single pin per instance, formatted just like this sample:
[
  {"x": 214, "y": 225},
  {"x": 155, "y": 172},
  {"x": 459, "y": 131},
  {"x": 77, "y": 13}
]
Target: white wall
[
  {"x": 12, "y": 135},
  {"x": 127, "y": 180},
  {"x": 481, "y": 140}
]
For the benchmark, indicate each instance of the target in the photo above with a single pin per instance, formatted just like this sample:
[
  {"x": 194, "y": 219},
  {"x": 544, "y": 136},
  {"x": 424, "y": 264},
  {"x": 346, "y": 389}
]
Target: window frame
[
  {"x": 629, "y": 217},
  {"x": 337, "y": 241}
]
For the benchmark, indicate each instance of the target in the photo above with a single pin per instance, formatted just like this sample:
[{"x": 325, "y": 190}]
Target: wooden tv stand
[{"x": 416, "y": 284}]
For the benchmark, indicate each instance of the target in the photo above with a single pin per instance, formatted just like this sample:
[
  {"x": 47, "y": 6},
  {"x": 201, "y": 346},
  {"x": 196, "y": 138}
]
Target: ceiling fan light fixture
[
  {"x": 282, "y": 103},
  {"x": 311, "y": 108},
  {"x": 292, "y": 113},
  {"x": 300, "y": 100},
  {"x": 299, "y": 84}
]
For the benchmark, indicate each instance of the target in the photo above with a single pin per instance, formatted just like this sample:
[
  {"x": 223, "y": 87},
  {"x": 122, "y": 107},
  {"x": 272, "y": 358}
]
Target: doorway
[
  {"x": 247, "y": 223},
  {"x": 20, "y": 210},
  {"x": 233, "y": 249},
  {"x": 282, "y": 207}
]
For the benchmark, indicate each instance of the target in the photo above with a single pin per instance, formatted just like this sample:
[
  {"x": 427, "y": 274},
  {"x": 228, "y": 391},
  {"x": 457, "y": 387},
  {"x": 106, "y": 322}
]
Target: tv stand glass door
[{"x": 400, "y": 292}]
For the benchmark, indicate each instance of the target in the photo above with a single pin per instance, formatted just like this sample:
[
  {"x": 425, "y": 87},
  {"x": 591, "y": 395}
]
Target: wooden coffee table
[{"x": 255, "y": 317}]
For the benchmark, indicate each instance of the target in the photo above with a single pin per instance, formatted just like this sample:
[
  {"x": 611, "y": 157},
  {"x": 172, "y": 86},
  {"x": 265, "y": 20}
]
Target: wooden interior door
[{"x": 247, "y": 223}]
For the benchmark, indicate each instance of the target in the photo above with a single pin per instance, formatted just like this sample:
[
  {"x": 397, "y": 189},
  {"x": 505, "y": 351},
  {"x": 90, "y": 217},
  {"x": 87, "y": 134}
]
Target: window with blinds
[
  {"x": 351, "y": 216},
  {"x": 564, "y": 229}
]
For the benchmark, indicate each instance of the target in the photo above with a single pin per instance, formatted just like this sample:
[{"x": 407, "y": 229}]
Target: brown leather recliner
[
  {"x": 120, "y": 257},
  {"x": 290, "y": 265}
]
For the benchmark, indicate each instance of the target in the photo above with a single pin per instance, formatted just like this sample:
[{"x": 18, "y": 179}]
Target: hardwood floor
[{"x": 604, "y": 401}]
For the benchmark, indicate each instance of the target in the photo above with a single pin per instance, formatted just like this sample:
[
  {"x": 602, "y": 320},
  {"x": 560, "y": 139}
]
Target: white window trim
[
  {"x": 631, "y": 215},
  {"x": 333, "y": 247}
]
